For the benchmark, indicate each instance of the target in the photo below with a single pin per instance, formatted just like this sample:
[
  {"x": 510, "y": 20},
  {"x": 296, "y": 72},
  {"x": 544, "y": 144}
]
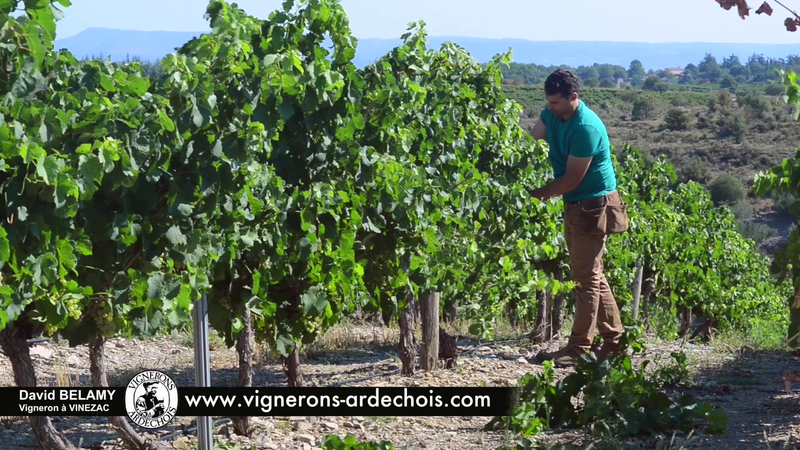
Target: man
[
  {"x": 581, "y": 157},
  {"x": 149, "y": 404}
]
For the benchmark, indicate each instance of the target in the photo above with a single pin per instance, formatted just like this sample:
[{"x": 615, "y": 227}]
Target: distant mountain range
[{"x": 154, "y": 45}]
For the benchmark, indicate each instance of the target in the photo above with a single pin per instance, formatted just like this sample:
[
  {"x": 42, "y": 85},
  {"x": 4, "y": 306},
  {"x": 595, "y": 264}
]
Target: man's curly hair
[{"x": 561, "y": 82}]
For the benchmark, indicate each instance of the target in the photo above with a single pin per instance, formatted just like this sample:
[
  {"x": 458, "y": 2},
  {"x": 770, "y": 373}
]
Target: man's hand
[
  {"x": 540, "y": 194},
  {"x": 576, "y": 170},
  {"x": 539, "y": 131}
]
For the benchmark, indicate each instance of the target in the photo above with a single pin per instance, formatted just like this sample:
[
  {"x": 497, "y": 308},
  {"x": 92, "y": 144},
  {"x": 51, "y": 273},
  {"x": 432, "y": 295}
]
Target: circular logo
[{"x": 151, "y": 399}]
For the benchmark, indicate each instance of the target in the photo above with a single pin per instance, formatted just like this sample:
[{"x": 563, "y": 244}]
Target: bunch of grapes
[
  {"x": 50, "y": 329},
  {"x": 266, "y": 334},
  {"x": 221, "y": 295},
  {"x": 73, "y": 307},
  {"x": 103, "y": 317},
  {"x": 71, "y": 303},
  {"x": 311, "y": 325}
]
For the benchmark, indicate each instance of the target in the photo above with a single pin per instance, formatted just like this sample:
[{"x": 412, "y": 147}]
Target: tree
[
  {"x": 667, "y": 76},
  {"x": 709, "y": 68},
  {"x": 586, "y": 73},
  {"x": 607, "y": 84},
  {"x": 728, "y": 82},
  {"x": 691, "y": 70},
  {"x": 605, "y": 73},
  {"x": 636, "y": 72},
  {"x": 651, "y": 83},
  {"x": 729, "y": 62},
  {"x": 741, "y": 73}
]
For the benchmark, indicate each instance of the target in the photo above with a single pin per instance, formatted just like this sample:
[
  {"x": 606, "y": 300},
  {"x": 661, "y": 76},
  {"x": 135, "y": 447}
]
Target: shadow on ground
[{"x": 761, "y": 415}]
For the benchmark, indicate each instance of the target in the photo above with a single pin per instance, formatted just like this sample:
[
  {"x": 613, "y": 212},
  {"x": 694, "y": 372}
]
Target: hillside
[
  {"x": 723, "y": 134},
  {"x": 153, "y": 45},
  {"x": 121, "y": 44}
]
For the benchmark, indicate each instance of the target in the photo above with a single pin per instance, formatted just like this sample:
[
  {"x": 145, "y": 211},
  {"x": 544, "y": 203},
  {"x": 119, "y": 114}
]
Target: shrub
[
  {"x": 756, "y": 104},
  {"x": 771, "y": 123},
  {"x": 677, "y": 119},
  {"x": 742, "y": 211},
  {"x": 734, "y": 126},
  {"x": 722, "y": 102},
  {"x": 628, "y": 96},
  {"x": 774, "y": 89},
  {"x": 643, "y": 108},
  {"x": 756, "y": 231},
  {"x": 680, "y": 101},
  {"x": 761, "y": 127},
  {"x": 783, "y": 204},
  {"x": 695, "y": 170},
  {"x": 727, "y": 189}
]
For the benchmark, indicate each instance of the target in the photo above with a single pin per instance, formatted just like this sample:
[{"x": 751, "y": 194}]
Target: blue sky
[{"x": 540, "y": 20}]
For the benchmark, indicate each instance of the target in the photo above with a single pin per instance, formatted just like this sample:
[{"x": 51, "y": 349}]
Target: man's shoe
[
  {"x": 608, "y": 351},
  {"x": 551, "y": 356},
  {"x": 568, "y": 360}
]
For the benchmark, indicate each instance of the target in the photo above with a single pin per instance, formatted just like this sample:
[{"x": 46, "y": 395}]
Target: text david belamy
[{"x": 65, "y": 400}]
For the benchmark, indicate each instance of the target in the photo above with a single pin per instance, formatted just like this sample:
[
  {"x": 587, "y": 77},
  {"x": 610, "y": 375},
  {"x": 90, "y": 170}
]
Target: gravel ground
[{"x": 746, "y": 384}]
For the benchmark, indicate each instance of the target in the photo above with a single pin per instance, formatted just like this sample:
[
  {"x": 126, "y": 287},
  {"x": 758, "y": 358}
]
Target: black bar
[
  {"x": 347, "y": 401},
  {"x": 265, "y": 401}
]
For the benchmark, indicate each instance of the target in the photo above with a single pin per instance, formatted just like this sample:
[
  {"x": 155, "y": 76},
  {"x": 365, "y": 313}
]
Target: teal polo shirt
[{"x": 583, "y": 135}]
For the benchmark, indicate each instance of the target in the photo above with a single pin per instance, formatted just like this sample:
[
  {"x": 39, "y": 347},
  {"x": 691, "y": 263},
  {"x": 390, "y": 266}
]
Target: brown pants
[{"x": 595, "y": 306}]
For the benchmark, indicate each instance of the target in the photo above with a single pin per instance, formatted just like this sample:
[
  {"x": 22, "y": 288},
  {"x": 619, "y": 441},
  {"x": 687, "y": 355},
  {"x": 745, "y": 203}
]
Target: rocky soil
[{"x": 746, "y": 384}]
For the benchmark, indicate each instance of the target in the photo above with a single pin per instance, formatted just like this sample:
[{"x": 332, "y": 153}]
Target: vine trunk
[
  {"x": 408, "y": 345},
  {"x": 14, "y": 342},
  {"x": 244, "y": 347},
  {"x": 130, "y": 438}
]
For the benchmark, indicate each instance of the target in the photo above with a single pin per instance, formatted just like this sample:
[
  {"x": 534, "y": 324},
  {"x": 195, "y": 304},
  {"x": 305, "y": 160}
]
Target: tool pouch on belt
[
  {"x": 616, "y": 218},
  {"x": 600, "y": 218},
  {"x": 594, "y": 219}
]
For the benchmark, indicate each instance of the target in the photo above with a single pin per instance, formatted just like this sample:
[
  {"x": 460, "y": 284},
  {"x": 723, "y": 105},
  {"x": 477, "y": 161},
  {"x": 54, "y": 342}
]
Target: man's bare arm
[
  {"x": 576, "y": 170},
  {"x": 539, "y": 130}
]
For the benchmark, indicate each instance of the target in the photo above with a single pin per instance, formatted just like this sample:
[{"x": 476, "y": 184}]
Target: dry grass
[
  {"x": 8, "y": 421},
  {"x": 63, "y": 378},
  {"x": 349, "y": 336},
  {"x": 357, "y": 335}
]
